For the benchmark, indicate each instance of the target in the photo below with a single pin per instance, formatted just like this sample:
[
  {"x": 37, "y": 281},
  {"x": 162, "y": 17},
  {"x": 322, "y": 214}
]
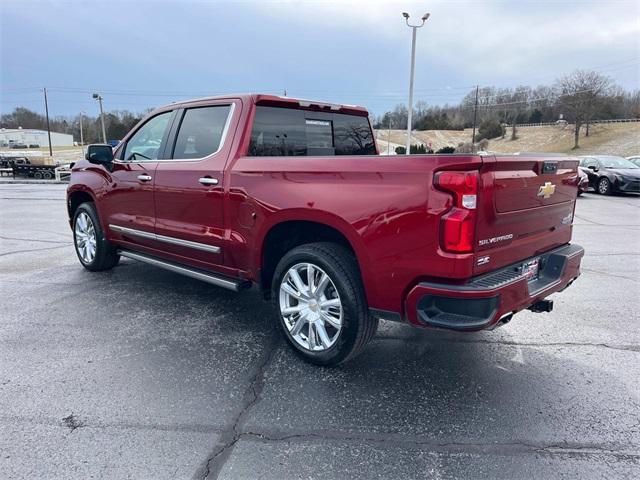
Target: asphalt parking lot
[{"x": 140, "y": 373}]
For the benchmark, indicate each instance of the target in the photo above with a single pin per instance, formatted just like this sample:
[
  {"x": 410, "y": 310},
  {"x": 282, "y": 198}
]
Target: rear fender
[{"x": 324, "y": 218}]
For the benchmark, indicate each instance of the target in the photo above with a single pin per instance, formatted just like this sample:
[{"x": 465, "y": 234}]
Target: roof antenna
[{"x": 285, "y": 92}]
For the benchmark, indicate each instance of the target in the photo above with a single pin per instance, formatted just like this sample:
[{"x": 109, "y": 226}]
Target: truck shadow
[{"x": 407, "y": 382}]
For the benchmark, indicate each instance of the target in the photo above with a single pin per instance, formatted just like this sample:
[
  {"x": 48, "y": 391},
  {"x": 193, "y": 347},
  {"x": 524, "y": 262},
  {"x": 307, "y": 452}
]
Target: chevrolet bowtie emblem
[{"x": 547, "y": 190}]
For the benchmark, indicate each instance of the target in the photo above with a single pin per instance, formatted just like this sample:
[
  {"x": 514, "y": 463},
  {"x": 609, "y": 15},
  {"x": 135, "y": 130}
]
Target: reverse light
[{"x": 458, "y": 225}]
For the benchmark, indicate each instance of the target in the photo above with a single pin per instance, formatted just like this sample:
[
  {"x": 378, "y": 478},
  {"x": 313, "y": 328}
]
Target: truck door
[
  {"x": 127, "y": 203},
  {"x": 189, "y": 183}
]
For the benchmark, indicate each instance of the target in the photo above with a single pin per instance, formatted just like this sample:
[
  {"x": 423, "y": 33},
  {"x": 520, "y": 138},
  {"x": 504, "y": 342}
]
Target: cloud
[
  {"x": 344, "y": 51},
  {"x": 496, "y": 37}
]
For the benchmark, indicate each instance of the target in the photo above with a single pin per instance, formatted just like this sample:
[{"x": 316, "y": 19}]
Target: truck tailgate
[{"x": 526, "y": 207}]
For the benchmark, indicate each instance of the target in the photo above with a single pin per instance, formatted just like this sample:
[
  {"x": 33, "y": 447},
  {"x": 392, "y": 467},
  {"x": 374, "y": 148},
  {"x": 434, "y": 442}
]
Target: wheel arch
[
  {"x": 77, "y": 197},
  {"x": 292, "y": 230}
]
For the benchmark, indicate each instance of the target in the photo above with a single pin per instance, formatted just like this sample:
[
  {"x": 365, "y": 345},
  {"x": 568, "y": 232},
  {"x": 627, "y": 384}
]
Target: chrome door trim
[
  {"x": 131, "y": 231},
  {"x": 188, "y": 243},
  {"x": 223, "y": 136},
  {"x": 163, "y": 238}
]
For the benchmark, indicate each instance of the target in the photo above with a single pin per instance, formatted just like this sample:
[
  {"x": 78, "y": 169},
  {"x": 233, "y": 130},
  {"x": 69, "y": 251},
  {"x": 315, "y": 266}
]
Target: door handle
[
  {"x": 144, "y": 178},
  {"x": 208, "y": 181}
]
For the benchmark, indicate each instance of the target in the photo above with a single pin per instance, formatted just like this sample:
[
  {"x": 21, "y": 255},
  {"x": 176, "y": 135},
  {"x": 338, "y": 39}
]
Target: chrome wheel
[
  {"x": 310, "y": 307},
  {"x": 85, "y": 238}
]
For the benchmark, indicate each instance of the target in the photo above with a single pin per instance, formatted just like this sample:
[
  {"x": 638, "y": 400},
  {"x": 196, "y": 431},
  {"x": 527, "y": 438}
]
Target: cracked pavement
[{"x": 140, "y": 373}]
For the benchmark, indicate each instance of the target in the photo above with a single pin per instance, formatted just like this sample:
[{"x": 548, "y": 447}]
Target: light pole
[
  {"x": 389, "y": 135},
  {"x": 81, "y": 135},
  {"x": 475, "y": 116},
  {"x": 104, "y": 133},
  {"x": 413, "y": 65}
]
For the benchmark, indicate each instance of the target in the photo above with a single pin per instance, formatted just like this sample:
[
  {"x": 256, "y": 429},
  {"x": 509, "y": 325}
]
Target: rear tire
[
  {"x": 94, "y": 251},
  {"x": 326, "y": 319},
  {"x": 604, "y": 186}
]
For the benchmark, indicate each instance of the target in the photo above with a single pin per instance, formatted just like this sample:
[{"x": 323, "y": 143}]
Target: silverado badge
[{"x": 547, "y": 190}]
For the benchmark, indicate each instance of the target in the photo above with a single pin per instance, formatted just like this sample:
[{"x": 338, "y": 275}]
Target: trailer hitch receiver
[{"x": 542, "y": 306}]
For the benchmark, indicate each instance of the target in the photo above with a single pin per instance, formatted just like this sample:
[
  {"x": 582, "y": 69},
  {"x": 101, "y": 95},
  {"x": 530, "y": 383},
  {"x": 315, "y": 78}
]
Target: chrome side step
[{"x": 212, "y": 278}]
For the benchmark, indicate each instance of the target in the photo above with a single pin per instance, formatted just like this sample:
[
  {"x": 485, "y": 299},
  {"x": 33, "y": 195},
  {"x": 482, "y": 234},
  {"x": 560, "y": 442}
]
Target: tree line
[
  {"x": 117, "y": 123},
  {"x": 578, "y": 98}
]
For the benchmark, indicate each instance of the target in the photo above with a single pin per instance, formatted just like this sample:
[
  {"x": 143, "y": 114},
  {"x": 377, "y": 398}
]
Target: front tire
[
  {"x": 320, "y": 302},
  {"x": 604, "y": 186},
  {"x": 94, "y": 251}
]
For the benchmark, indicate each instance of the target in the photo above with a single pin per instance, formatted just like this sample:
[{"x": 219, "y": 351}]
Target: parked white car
[{"x": 634, "y": 159}]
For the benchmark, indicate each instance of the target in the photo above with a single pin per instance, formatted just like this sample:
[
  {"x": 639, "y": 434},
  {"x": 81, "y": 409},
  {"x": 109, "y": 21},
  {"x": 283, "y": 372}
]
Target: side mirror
[
  {"x": 100, "y": 154},
  {"x": 593, "y": 167}
]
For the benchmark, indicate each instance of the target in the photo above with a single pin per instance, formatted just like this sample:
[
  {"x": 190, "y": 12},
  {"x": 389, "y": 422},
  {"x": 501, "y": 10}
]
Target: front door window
[{"x": 145, "y": 143}]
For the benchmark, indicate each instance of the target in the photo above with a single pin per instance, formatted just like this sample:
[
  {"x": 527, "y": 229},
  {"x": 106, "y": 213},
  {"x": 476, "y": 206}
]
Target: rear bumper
[{"x": 483, "y": 301}]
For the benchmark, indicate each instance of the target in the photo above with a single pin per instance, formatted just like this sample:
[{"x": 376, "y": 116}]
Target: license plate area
[{"x": 530, "y": 269}]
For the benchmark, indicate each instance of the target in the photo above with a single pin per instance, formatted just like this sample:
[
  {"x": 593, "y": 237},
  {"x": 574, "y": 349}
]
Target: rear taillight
[{"x": 458, "y": 225}]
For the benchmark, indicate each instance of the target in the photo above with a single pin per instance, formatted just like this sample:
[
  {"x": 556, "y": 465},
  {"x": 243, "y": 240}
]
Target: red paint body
[{"x": 386, "y": 207}]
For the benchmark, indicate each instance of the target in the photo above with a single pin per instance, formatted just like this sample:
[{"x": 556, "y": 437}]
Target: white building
[{"x": 29, "y": 137}]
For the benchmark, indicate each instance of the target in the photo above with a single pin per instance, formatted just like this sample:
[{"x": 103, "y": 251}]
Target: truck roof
[{"x": 282, "y": 101}]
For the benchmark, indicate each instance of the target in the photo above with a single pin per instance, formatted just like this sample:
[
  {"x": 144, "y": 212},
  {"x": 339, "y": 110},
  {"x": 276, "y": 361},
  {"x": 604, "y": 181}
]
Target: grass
[{"x": 608, "y": 138}]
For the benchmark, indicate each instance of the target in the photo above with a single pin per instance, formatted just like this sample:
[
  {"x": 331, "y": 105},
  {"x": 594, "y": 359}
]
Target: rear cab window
[{"x": 280, "y": 131}]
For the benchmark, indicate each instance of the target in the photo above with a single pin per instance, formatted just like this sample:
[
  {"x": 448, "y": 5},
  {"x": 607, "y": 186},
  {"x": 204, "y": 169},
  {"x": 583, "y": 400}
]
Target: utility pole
[
  {"x": 475, "y": 113},
  {"x": 46, "y": 109},
  {"x": 81, "y": 135},
  {"x": 104, "y": 133},
  {"x": 413, "y": 65}
]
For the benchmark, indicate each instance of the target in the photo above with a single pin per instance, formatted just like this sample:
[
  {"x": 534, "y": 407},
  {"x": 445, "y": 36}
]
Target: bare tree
[
  {"x": 518, "y": 105},
  {"x": 579, "y": 95}
]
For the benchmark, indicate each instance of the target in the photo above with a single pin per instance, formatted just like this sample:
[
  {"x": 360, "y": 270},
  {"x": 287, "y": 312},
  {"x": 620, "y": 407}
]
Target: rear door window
[
  {"x": 201, "y": 132},
  {"x": 291, "y": 132}
]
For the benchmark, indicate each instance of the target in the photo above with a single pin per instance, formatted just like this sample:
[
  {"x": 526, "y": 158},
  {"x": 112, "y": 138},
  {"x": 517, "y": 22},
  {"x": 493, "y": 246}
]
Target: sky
[{"x": 142, "y": 54}]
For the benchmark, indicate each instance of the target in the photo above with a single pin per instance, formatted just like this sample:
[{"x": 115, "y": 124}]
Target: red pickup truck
[{"x": 292, "y": 195}]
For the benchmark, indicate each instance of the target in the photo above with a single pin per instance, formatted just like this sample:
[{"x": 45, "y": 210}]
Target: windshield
[{"x": 616, "y": 162}]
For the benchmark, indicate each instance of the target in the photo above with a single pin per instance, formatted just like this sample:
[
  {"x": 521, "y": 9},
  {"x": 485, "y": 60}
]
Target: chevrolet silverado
[{"x": 291, "y": 195}]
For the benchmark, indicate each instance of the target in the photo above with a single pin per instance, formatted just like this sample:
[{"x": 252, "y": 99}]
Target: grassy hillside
[{"x": 612, "y": 138}]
